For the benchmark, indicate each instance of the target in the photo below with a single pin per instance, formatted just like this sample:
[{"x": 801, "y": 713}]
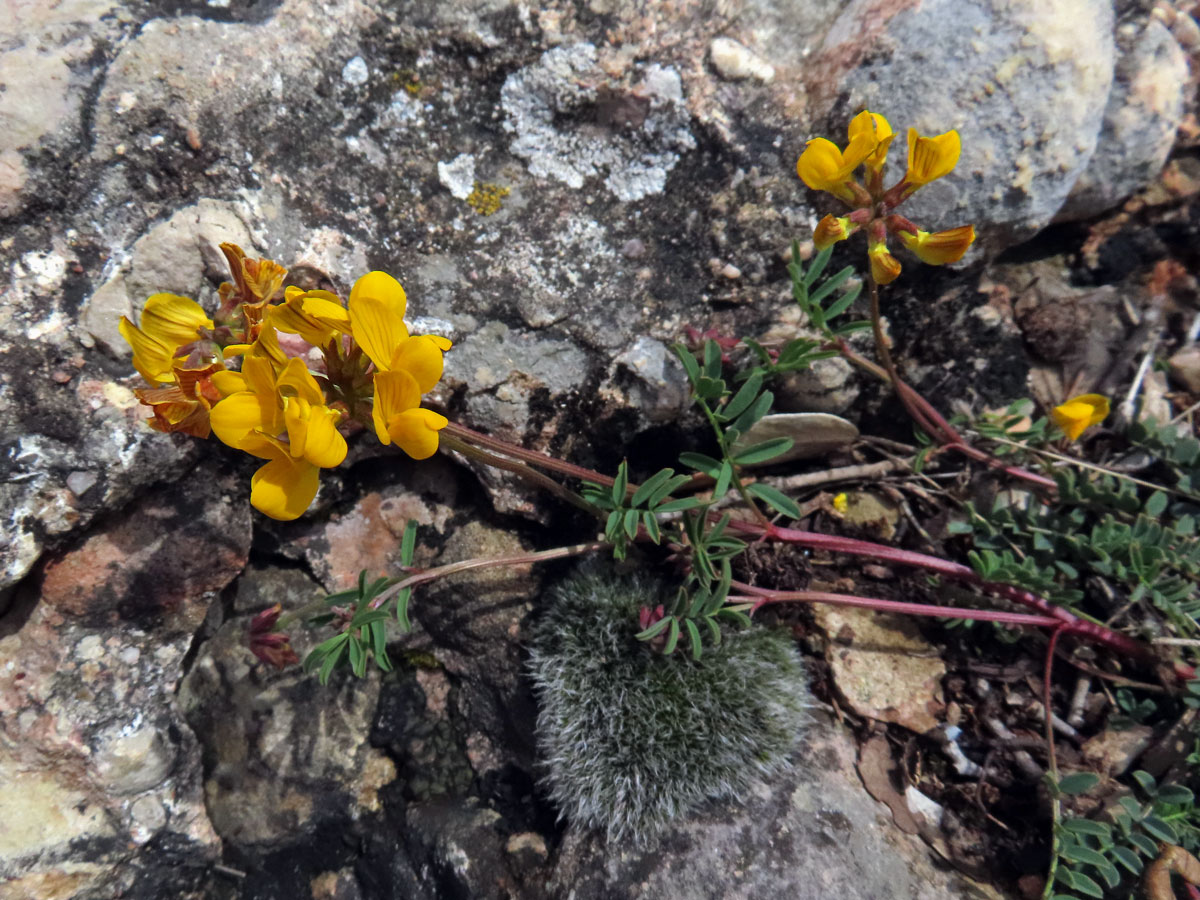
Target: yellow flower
[
  {"x": 832, "y": 229},
  {"x": 841, "y": 502},
  {"x": 885, "y": 268},
  {"x": 877, "y": 129},
  {"x": 823, "y": 167},
  {"x": 314, "y": 315},
  {"x": 405, "y": 366},
  {"x": 929, "y": 158},
  {"x": 168, "y": 323},
  {"x": 1080, "y": 413},
  {"x": 268, "y": 406},
  {"x": 940, "y": 247}
]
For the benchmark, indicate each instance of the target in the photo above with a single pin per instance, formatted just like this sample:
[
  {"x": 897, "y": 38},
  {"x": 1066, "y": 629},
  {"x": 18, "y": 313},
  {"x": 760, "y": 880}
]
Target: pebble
[
  {"x": 355, "y": 72},
  {"x": 735, "y": 62}
]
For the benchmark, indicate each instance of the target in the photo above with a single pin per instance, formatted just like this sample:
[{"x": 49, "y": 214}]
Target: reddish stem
[
  {"x": 764, "y": 597},
  {"x": 1068, "y": 622}
]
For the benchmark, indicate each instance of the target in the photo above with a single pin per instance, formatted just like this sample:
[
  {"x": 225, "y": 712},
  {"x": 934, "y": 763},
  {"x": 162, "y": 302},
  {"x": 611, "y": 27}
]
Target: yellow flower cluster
[
  {"x": 823, "y": 166},
  {"x": 1078, "y": 414},
  {"x": 371, "y": 372}
]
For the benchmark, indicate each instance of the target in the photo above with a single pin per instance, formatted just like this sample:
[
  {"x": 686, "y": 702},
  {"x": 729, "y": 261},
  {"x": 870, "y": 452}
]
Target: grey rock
[
  {"x": 812, "y": 434},
  {"x": 1143, "y": 115},
  {"x": 828, "y": 387},
  {"x": 807, "y": 835},
  {"x": 641, "y": 127}
]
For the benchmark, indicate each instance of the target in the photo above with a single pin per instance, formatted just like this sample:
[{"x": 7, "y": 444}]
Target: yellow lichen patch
[{"x": 486, "y": 198}]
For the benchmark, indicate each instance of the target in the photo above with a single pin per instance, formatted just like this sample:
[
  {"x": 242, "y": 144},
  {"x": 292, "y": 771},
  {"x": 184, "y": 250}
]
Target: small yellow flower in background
[
  {"x": 824, "y": 167},
  {"x": 841, "y": 502},
  {"x": 1080, "y": 413}
]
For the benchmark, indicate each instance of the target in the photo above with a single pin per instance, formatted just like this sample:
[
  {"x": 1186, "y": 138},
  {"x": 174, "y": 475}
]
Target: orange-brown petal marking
[
  {"x": 832, "y": 229},
  {"x": 940, "y": 247},
  {"x": 885, "y": 268},
  {"x": 416, "y": 431},
  {"x": 929, "y": 158}
]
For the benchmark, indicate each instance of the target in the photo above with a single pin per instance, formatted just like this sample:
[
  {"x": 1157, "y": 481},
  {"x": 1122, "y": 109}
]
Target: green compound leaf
[
  {"x": 774, "y": 498},
  {"x": 648, "y": 487},
  {"x": 1078, "y": 783},
  {"x": 712, "y": 360},
  {"x": 694, "y": 636},
  {"x": 1175, "y": 794},
  {"x": 331, "y": 660},
  {"x": 688, "y": 360},
  {"x": 672, "y": 636},
  {"x": 402, "y": 620},
  {"x": 1159, "y": 829},
  {"x": 379, "y": 646},
  {"x": 681, "y": 504},
  {"x": 766, "y": 450},
  {"x": 724, "y": 477},
  {"x": 620, "y": 483},
  {"x": 654, "y": 630},
  {"x": 408, "y": 542},
  {"x": 743, "y": 398},
  {"x": 1128, "y": 859},
  {"x": 701, "y": 463},
  {"x": 757, "y": 410},
  {"x": 1088, "y": 826},
  {"x": 650, "y": 523},
  {"x": 1079, "y": 882},
  {"x": 1156, "y": 505},
  {"x": 358, "y": 657},
  {"x": 631, "y": 523}
]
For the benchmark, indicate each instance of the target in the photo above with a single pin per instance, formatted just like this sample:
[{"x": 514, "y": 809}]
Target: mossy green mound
[{"x": 633, "y": 739}]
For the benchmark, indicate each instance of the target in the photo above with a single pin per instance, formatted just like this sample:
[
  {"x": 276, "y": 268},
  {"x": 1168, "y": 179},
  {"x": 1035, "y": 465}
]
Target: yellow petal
[
  {"x": 324, "y": 445},
  {"x": 284, "y": 487},
  {"x": 930, "y": 158},
  {"x": 377, "y": 306},
  {"x": 421, "y": 358},
  {"x": 328, "y": 310},
  {"x": 416, "y": 431},
  {"x": 290, "y": 318},
  {"x": 877, "y": 129},
  {"x": 295, "y": 419},
  {"x": 395, "y": 393},
  {"x": 151, "y": 357},
  {"x": 260, "y": 377},
  {"x": 1080, "y": 413},
  {"x": 266, "y": 346},
  {"x": 940, "y": 247},
  {"x": 297, "y": 381},
  {"x": 227, "y": 382},
  {"x": 885, "y": 268},
  {"x": 173, "y": 320},
  {"x": 821, "y": 166},
  {"x": 239, "y": 416}
]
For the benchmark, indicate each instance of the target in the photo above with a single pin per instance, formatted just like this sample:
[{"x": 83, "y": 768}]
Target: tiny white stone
[
  {"x": 458, "y": 175},
  {"x": 355, "y": 72},
  {"x": 735, "y": 62}
]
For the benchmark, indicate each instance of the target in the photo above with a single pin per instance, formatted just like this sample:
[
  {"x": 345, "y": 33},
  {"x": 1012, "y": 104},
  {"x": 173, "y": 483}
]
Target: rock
[
  {"x": 808, "y": 835},
  {"x": 97, "y": 760},
  {"x": 1112, "y": 752},
  {"x": 882, "y": 666},
  {"x": 1028, "y": 100},
  {"x": 1145, "y": 109},
  {"x": 642, "y": 122},
  {"x": 813, "y": 435},
  {"x": 827, "y": 387},
  {"x": 1185, "y": 368},
  {"x": 735, "y": 62}
]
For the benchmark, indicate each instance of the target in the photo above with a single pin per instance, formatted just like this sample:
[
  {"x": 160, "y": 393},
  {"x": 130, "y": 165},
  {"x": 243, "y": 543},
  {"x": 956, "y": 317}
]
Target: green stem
[
  {"x": 450, "y": 442},
  {"x": 737, "y": 478}
]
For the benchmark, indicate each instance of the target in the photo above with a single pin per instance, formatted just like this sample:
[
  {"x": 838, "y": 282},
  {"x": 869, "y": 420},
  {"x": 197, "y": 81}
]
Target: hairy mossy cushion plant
[{"x": 633, "y": 738}]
